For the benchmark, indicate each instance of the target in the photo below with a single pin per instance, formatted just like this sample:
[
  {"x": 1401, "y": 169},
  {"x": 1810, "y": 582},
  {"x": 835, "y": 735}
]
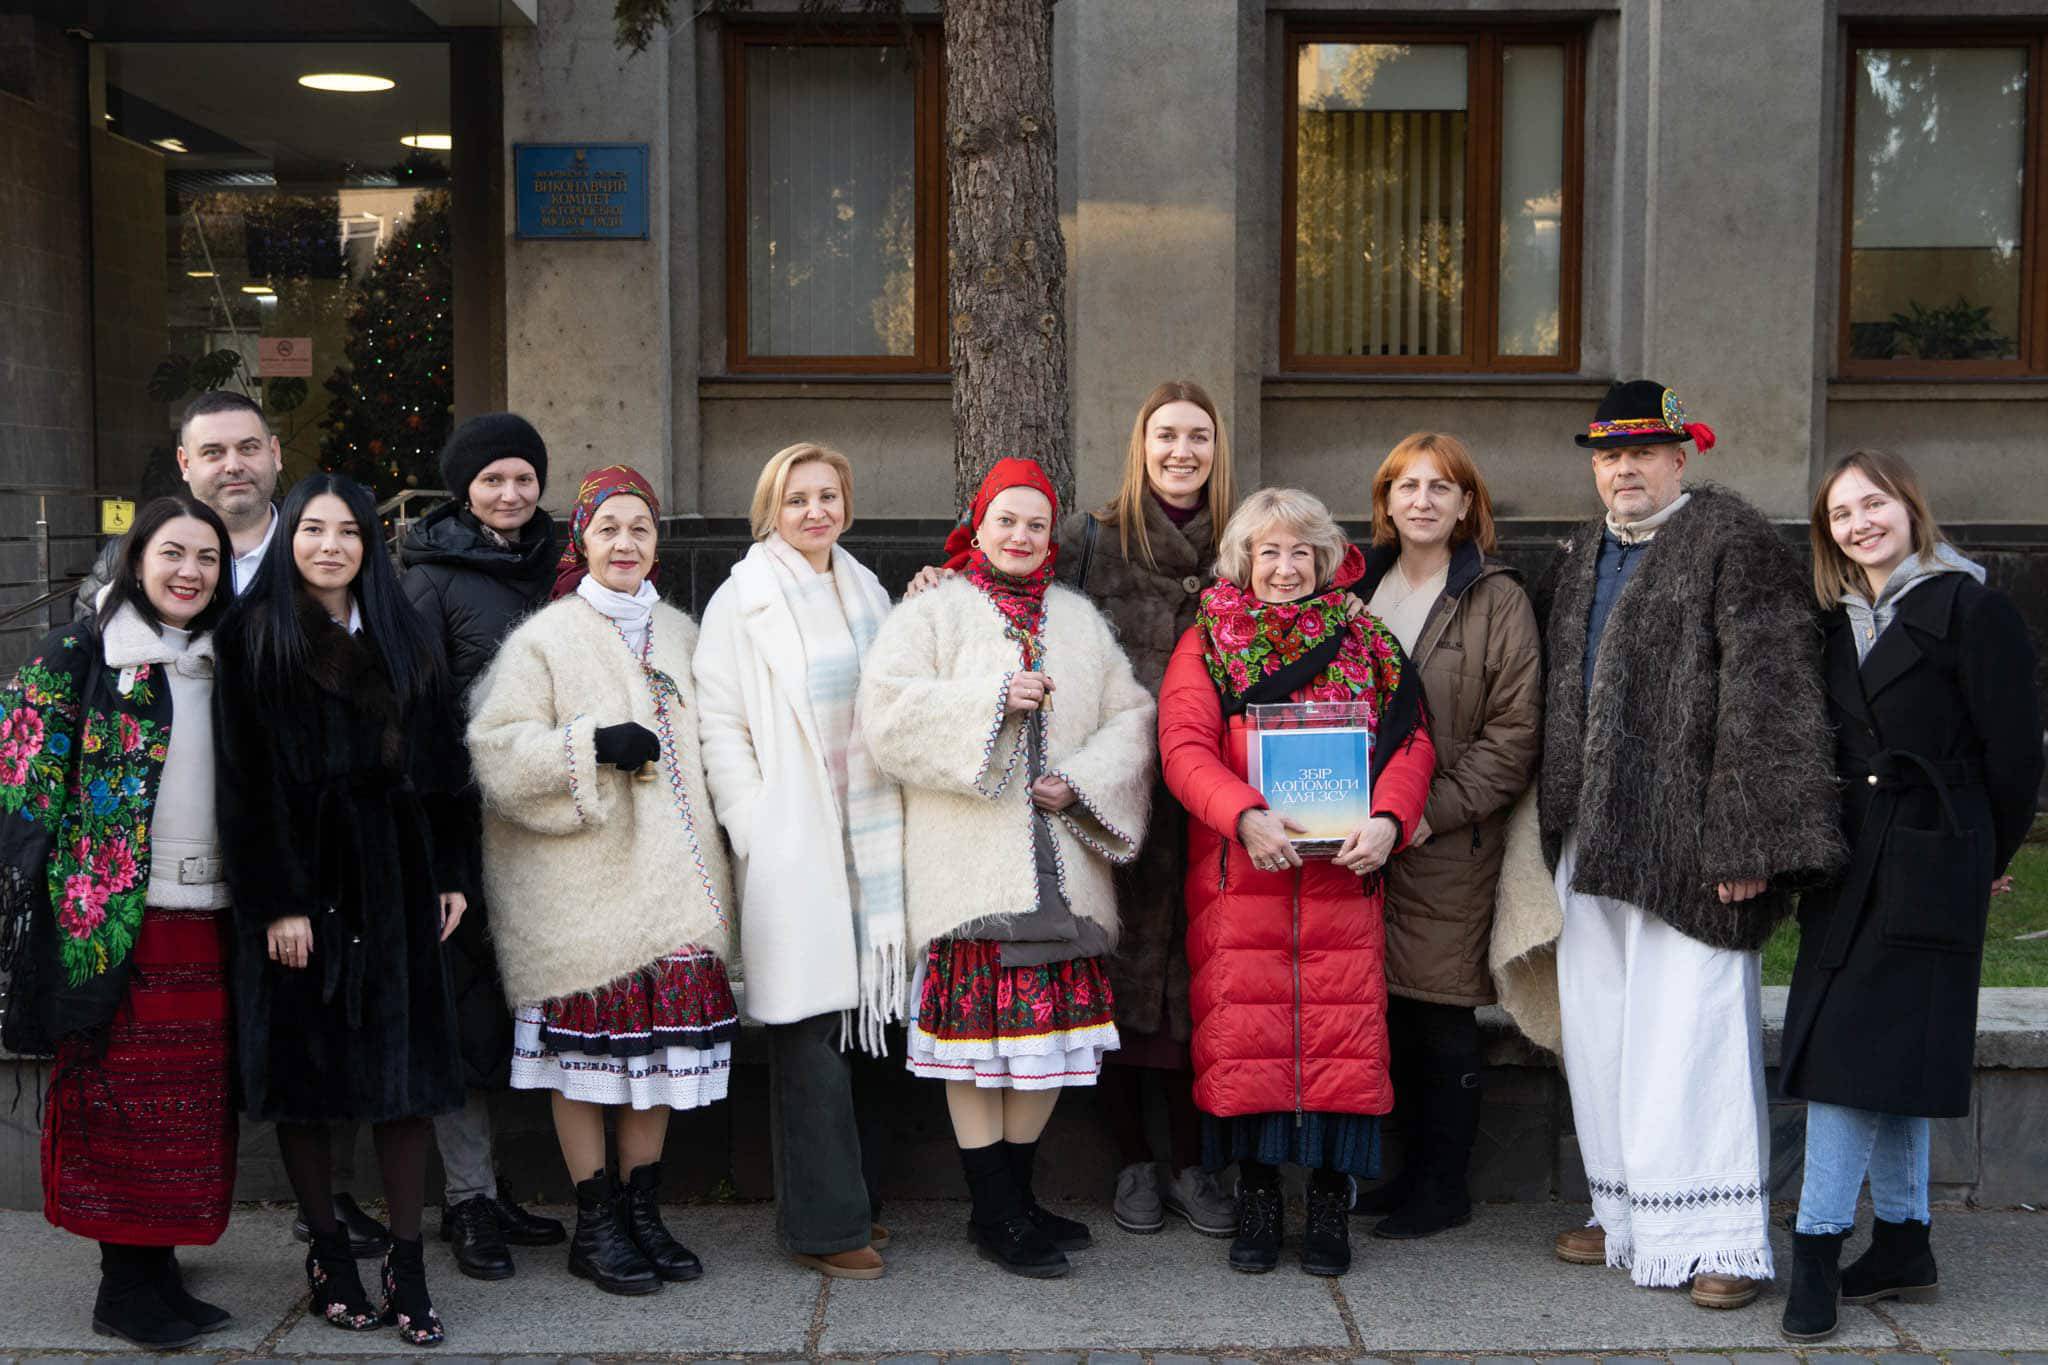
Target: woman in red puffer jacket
[{"x": 1288, "y": 955}]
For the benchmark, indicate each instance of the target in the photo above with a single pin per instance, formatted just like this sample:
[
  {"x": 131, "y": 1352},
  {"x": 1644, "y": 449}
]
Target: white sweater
[
  {"x": 931, "y": 707},
  {"x": 589, "y": 873}
]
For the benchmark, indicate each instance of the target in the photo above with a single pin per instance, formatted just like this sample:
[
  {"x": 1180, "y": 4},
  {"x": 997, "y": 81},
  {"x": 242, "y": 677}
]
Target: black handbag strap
[{"x": 1088, "y": 538}]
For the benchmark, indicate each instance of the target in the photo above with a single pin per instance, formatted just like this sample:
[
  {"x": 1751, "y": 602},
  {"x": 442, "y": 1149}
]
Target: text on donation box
[
  {"x": 580, "y": 189},
  {"x": 1312, "y": 762}
]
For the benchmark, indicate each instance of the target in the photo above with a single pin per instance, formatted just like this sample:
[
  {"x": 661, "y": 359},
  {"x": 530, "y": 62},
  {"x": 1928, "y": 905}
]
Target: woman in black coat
[
  {"x": 343, "y": 833},
  {"x": 1930, "y": 681},
  {"x": 474, "y": 568}
]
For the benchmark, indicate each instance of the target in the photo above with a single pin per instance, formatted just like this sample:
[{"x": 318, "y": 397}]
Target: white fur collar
[{"x": 127, "y": 640}]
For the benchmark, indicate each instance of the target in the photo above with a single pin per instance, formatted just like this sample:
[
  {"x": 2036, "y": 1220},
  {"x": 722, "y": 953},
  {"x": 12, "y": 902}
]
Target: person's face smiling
[
  {"x": 619, "y": 543},
  {"x": 1016, "y": 532}
]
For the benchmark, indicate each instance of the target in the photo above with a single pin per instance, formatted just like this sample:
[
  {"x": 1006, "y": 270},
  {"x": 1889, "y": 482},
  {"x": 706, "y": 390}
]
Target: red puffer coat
[{"x": 1289, "y": 968}]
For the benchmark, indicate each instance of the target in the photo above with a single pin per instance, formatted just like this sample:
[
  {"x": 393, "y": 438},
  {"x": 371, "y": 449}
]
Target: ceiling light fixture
[
  {"x": 259, "y": 289},
  {"x": 346, "y": 82},
  {"x": 199, "y": 274},
  {"x": 169, "y": 144},
  {"x": 429, "y": 142}
]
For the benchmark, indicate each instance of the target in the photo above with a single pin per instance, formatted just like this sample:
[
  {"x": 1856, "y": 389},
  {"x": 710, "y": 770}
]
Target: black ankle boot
[
  {"x": 1260, "y": 1207},
  {"x": 1439, "y": 1198},
  {"x": 473, "y": 1233},
  {"x": 1000, "y": 1222},
  {"x": 338, "y": 1295},
  {"x": 640, "y": 1210},
  {"x": 131, "y": 1304},
  {"x": 207, "y": 1317},
  {"x": 523, "y": 1228},
  {"x": 1898, "y": 1265},
  {"x": 1326, "y": 1242},
  {"x": 1064, "y": 1233},
  {"x": 1812, "y": 1302},
  {"x": 601, "y": 1250},
  {"x": 407, "y": 1305}
]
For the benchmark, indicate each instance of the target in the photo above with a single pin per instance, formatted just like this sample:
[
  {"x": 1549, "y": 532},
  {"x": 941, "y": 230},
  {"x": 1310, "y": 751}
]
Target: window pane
[
  {"x": 1531, "y": 198},
  {"x": 831, "y": 200},
  {"x": 1934, "y": 261},
  {"x": 1380, "y": 200}
]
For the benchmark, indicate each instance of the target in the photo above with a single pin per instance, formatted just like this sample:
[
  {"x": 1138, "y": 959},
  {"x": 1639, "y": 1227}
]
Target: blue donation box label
[
  {"x": 1313, "y": 769},
  {"x": 580, "y": 189}
]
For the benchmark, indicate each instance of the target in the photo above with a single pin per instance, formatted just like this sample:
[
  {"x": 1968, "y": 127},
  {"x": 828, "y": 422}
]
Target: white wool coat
[
  {"x": 931, "y": 706},
  {"x": 766, "y": 765},
  {"x": 591, "y": 874}
]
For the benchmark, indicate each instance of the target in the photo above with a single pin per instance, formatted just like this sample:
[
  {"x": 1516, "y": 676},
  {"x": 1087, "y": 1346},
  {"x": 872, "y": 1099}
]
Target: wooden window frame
[
  {"x": 2032, "y": 360},
  {"x": 925, "y": 39},
  {"x": 1481, "y": 304}
]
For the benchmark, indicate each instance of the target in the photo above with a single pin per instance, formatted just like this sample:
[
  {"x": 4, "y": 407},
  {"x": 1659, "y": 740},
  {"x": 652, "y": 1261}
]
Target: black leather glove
[{"x": 627, "y": 746}]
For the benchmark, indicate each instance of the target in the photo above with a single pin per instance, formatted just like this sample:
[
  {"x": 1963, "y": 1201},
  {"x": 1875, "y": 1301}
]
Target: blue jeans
[{"x": 1842, "y": 1144}]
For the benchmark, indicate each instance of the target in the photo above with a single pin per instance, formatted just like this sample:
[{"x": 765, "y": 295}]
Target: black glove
[{"x": 627, "y": 746}]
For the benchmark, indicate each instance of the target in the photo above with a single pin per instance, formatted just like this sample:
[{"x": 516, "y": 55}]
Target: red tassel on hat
[{"x": 1702, "y": 435}]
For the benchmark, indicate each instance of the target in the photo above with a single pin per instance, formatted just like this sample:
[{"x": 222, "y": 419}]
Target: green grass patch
[{"x": 2008, "y": 960}]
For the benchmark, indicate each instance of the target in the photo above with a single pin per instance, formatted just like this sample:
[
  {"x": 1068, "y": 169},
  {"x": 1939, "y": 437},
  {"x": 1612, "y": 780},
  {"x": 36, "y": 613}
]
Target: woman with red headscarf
[
  {"x": 1023, "y": 743},
  {"x": 606, "y": 877}
]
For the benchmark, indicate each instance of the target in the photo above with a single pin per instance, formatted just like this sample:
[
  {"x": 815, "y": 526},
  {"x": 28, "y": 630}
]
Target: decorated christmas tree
[{"x": 388, "y": 416}]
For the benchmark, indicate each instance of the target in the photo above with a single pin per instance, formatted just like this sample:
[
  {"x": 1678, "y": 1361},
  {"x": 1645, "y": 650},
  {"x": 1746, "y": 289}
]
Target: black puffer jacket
[{"x": 471, "y": 592}]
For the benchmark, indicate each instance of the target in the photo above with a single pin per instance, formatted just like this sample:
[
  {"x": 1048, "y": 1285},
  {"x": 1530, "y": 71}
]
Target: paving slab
[
  {"x": 1168, "y": 1291},
  {"x": 1494, "y": 1285},
  {"x": 752, "y": 1299},
  {"x": 1992, "y": 1283}
]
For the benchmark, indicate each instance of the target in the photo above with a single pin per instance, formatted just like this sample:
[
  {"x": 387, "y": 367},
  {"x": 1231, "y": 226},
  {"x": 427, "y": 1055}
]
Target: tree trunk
[{"x": 1007, "y": 279}]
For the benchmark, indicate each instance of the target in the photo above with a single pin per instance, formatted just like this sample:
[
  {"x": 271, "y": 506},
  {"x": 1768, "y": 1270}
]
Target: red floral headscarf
[
  {"x": 1020, "y": 600},
  {"x": 597, "y": 486}
]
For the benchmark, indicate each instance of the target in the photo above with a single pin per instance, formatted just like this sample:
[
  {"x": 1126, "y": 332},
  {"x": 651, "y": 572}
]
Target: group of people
[{"x": 285, "y": 830}]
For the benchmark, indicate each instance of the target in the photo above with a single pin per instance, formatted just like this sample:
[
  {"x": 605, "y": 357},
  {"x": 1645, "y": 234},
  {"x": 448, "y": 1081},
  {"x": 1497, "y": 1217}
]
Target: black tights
[
  {"x": 1120, "y": 1091},
  {"x": 308, "y": 1151}
]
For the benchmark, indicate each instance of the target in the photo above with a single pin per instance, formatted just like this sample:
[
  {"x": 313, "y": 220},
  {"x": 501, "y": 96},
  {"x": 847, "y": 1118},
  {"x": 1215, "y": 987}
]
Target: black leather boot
[
  {"x": 1813, "y": 1300},
  {"x": 640, "y": 1210},
  {"x": 131, "y": 1304},
  {"x": 338, "y": 1297},
  {"x": 1439, "y": 1198},
  {"x": 1000, "y": 1223},
  {"x": 407, "y": 1306},
  {"x": 1326, "y": 1241},
  {"x": 1260, "y": 1207},
  {"x": 1064, "y": 1233},
  {"x": 1899, "y": 1264},
  {"x": 524, "y": 1229},
  {"x": 207, "y": 1317},
  {"x": 366, "y": 1236},
  {"x": 473, "y": 1232},
  {"x": 601, "y": 1251}
]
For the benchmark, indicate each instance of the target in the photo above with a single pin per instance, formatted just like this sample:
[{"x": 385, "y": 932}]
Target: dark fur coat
[
  {"x": 1702, "y": 753},
  {"x": 337, "y": 802}
]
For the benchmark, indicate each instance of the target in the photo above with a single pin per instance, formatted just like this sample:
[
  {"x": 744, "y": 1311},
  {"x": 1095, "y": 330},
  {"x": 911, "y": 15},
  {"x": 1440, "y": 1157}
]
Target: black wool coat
[
  {"x": 471, "y": 592},
  {"x": 337, "y": 802},
  {"x": 1883, "y": 1009}
]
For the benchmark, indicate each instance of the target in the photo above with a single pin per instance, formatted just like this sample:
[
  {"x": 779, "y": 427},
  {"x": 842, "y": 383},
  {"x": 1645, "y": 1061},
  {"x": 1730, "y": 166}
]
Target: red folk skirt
[{"x": 139, "y": 1142}]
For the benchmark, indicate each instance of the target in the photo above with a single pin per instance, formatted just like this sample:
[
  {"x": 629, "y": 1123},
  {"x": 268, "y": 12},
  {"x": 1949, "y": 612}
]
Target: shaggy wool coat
[
  {"x": 931, "y": 707},
  {"x": 1883, "y": 1009},
  {"x": 1701, "y": 754},
  {"x": 338, "y": 801},
  {"x": 1481, "y": 660},
  {"x": 591, "y": 873},
  {"x": 1149, "y": 606}
]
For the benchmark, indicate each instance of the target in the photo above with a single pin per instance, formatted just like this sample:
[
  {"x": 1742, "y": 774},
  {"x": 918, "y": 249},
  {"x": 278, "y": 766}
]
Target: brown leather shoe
[
  {"x": 862, "y": 1263},
  {"x": 1582, "y": 1246},
  {"x": 878, "y": 1236},
  {"x": 1724, "y": 1291}
]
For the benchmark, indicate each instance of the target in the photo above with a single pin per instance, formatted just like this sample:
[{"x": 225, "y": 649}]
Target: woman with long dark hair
[
  {"x": 106, "y": 828},
  {"x": 343, "y": 827}
]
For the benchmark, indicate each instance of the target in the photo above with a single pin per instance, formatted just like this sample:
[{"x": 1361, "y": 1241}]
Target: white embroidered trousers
[{"x": 1663, "y": 1051}]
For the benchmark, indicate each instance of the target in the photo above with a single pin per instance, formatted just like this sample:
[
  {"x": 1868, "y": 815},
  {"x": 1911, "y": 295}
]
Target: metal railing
[{"x": 395, "y": 512}]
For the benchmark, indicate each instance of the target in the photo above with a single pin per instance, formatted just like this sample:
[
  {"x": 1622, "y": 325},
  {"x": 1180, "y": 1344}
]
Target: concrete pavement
[{"x": 1489, "y": 1290}]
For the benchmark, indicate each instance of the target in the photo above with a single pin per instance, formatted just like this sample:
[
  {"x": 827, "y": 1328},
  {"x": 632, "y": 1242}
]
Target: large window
[
  {"x": 1432, "y": 201},
  {"x": 1941, "y": 270},
  {"x": 835, "y": 220}
]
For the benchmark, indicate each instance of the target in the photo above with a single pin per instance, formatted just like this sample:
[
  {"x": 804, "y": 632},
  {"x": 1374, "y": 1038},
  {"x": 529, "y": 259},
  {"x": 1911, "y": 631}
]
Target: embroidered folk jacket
[{"x": 82, "y": 748}]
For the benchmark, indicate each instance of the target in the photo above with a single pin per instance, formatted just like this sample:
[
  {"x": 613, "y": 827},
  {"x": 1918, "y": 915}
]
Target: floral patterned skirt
[
  {"x": 661, "y": 1036},
  {"x": 1024, "y": 1028}
]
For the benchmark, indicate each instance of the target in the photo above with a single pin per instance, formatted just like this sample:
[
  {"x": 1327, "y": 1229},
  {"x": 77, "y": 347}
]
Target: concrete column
[
  {"x": 1152, "y": 121},
  {"x": 1731, "y": 242},
  {"x": 587, "y": 323}
]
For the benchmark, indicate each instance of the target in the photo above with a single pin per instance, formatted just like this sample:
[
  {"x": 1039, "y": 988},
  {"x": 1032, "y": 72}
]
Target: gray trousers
[
  {"x": 827, "y": 1149},
  {"x": 464, "y": 1137}
]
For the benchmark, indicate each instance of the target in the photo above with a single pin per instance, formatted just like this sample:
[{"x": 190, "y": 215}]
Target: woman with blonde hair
[
  {"x": 817, "y": 834},
  {"x": 1930, "y": 685},
  {"x": 1470, "y": 634}
]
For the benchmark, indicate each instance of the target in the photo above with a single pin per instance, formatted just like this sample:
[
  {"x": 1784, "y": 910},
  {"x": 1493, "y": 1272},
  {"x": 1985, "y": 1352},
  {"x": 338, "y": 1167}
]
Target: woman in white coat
[{"x": 818, "y": 834}]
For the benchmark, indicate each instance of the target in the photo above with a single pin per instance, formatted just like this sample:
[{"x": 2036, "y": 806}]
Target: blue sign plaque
[{"x": 580, "y": 189}]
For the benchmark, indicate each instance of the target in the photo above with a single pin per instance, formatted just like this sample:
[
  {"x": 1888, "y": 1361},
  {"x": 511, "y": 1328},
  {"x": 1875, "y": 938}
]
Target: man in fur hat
[{"x": 1687, "y": 790}]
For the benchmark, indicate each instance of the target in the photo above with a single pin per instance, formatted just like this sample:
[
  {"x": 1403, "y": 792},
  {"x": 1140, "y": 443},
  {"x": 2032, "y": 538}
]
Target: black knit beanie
[{"x": 486, "y": 438}]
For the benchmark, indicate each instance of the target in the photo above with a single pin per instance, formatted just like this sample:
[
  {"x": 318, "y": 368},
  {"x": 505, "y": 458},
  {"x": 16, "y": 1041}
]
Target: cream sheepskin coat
[
  {"x": 931, "y": 707},
  {"x": 591, "y": 874}
]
